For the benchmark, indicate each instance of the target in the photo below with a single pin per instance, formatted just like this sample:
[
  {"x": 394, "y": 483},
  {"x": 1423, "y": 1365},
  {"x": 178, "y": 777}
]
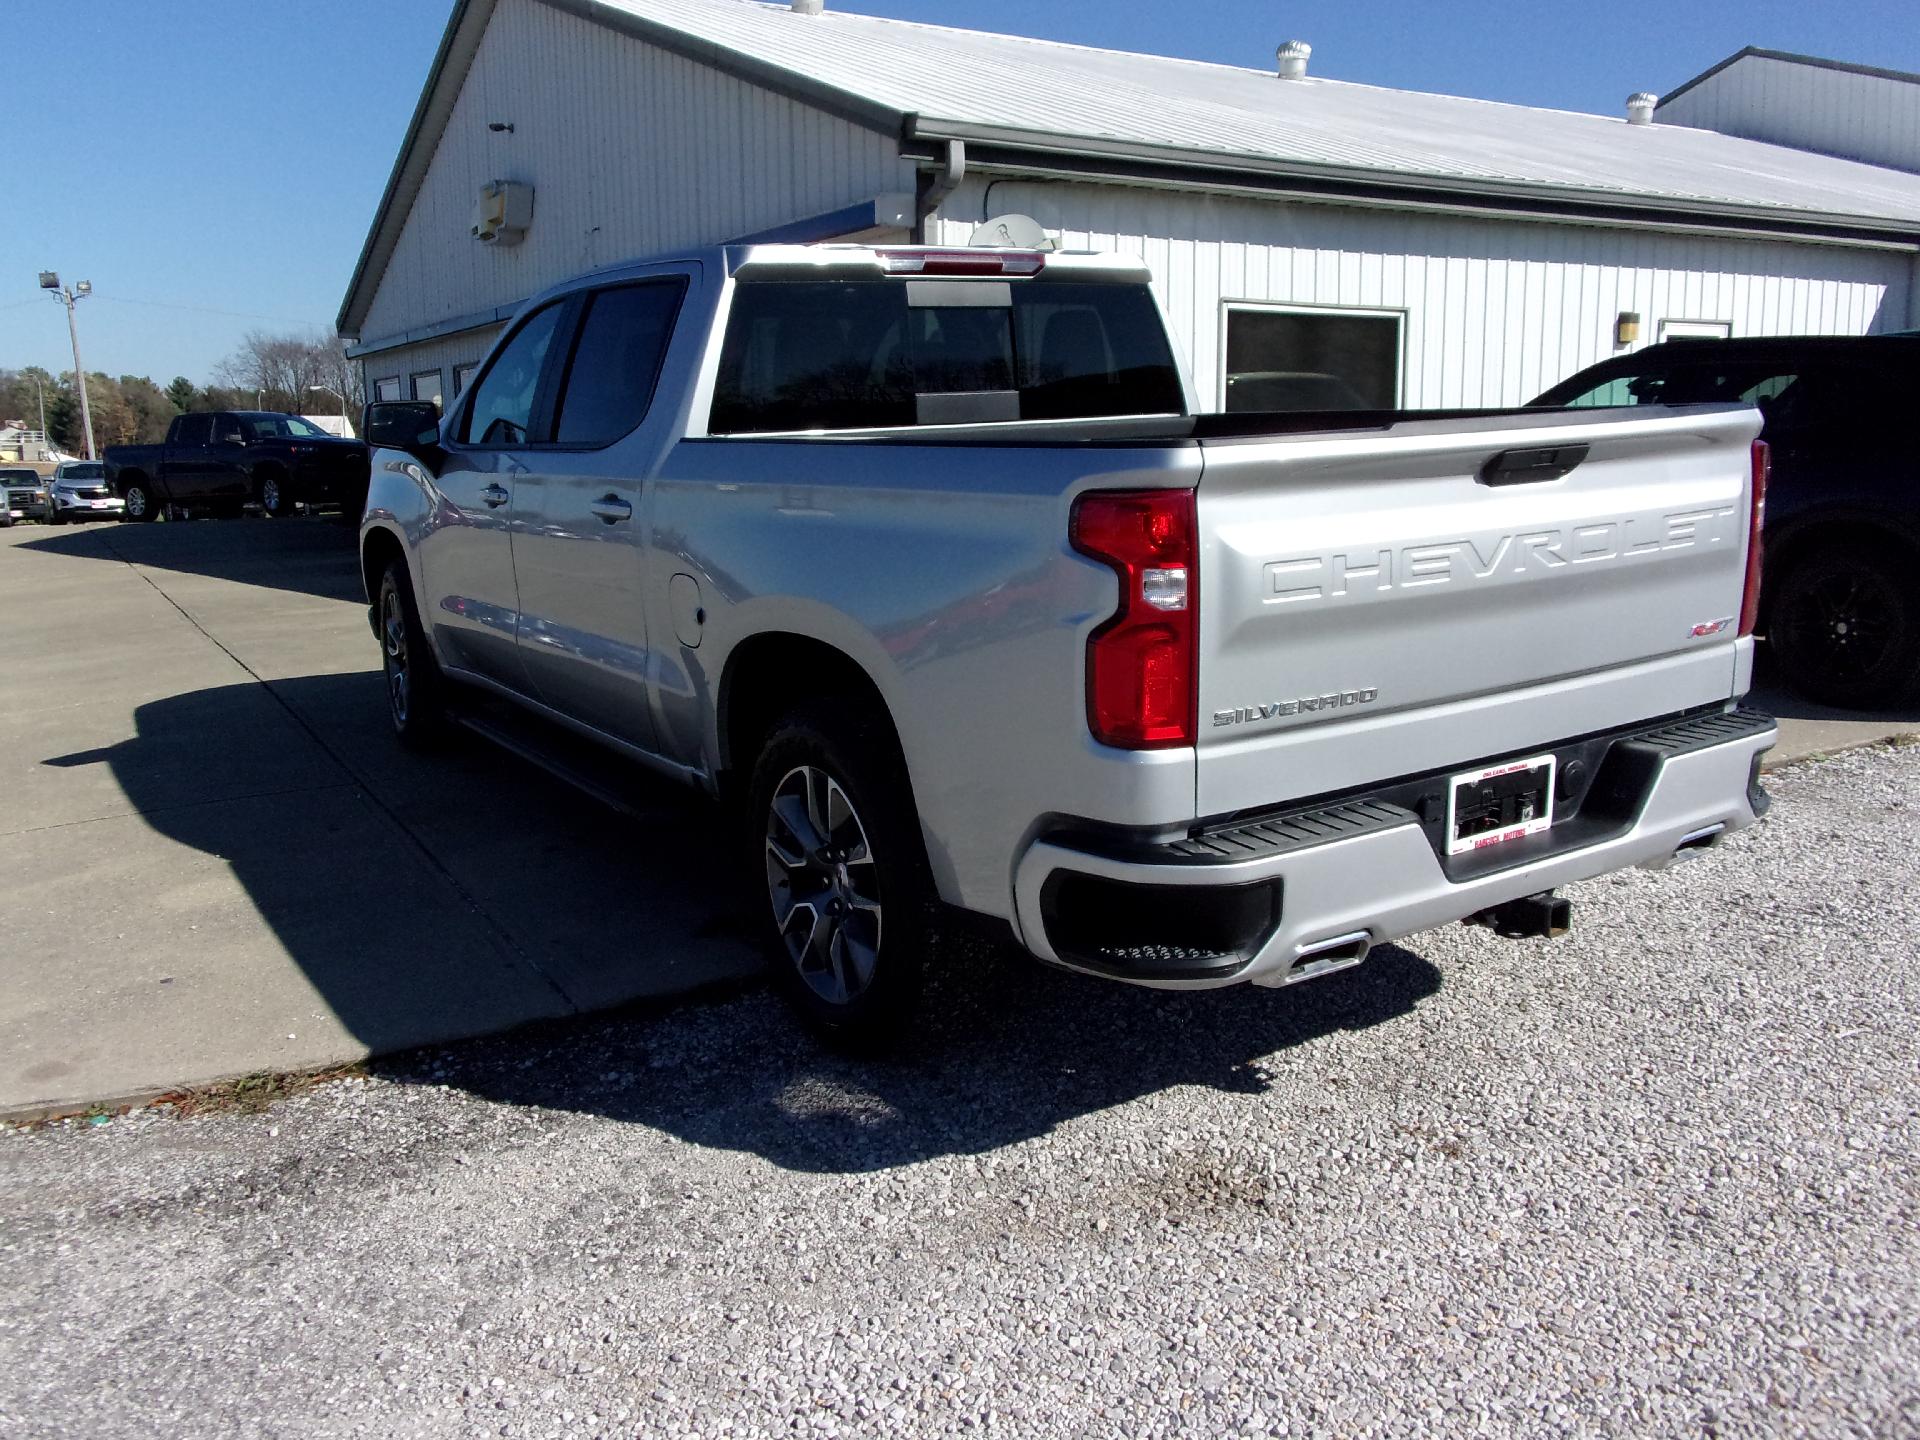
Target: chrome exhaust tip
[{"x": 1323, "y": 957}]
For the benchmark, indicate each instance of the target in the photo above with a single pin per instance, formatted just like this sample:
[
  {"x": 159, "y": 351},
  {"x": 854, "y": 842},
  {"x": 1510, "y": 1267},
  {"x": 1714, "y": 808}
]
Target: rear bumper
[{"x": 1310, "y": 891}]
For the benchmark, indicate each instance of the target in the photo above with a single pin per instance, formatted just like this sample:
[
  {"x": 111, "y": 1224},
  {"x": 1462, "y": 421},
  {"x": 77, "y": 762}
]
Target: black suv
[{"x": 1840, "y": 606}]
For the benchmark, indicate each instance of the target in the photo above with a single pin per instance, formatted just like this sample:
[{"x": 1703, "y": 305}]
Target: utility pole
[{"x": 50, "y": 281}]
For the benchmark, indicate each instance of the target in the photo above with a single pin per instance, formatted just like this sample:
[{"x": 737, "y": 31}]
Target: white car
[{"x": 78, "y": 491}]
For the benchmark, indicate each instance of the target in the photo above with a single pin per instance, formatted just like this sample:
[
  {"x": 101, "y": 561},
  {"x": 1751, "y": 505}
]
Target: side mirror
[{"x": 411, "y": 425}]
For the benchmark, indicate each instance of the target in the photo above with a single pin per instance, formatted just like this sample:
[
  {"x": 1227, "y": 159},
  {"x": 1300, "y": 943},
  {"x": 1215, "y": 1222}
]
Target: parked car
[
  {"x": 25, "y": 493},
  {"x": 1841, "y": 607},
  {"x": 923, "y": 558},
  {"x": 78, "y": 491},
  {"x": 218, "y": 462}
]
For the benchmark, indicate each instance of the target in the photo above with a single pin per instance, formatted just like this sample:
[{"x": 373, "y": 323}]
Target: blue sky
[{"x": 212, "y": 167}]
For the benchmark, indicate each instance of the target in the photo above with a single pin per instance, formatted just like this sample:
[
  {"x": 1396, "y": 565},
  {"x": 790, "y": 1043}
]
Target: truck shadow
[
  {"x": 1007, "y": 1051},
  {"x": 423, "y": 898},
  {"x": 309, "y": 555},
  {"x": 432, "y": 899}
]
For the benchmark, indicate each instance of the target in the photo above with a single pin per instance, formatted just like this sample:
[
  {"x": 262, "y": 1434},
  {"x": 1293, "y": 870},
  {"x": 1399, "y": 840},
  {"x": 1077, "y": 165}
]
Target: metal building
[
  {"x": 1408, "y": 248},
  {"x": 1857, "y": 112}
]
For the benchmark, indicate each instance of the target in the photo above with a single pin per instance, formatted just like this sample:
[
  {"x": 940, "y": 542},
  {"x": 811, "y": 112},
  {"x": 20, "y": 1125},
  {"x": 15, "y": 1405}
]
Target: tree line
[{"x": 266, "y": 372}]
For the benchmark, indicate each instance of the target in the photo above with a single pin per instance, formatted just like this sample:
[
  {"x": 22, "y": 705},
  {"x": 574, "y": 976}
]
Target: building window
[
  {"x": 426, "y": 386},
  {"x": 462, "y": 377},
  {"x": 387, "y": 388},
  {"x": 1284, "y": 358}
]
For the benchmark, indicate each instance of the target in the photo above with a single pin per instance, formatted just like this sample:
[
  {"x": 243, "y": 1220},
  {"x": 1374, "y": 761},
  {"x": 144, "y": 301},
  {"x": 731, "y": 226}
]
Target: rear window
[{"x": 844, "y": 355}]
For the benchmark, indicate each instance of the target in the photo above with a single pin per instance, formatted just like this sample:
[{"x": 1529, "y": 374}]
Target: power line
[{"x": 203, "y": 309}]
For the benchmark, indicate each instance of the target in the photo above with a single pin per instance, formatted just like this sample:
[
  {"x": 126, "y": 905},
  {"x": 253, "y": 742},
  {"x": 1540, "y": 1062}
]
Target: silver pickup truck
[{"x": 925, "y": 561}]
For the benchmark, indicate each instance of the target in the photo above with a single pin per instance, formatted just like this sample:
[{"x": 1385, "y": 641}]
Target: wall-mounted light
[
  {"x": 1626, "y": 329},
  {"x": 499, "y": 127}
]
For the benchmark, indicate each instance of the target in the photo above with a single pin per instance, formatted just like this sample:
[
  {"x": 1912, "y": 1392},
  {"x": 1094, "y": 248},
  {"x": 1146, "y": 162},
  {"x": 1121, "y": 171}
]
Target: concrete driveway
[{"x": 219, "y": 862}]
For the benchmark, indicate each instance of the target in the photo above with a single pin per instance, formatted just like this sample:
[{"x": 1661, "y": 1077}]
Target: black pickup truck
[{"x": 217, "y": 462}]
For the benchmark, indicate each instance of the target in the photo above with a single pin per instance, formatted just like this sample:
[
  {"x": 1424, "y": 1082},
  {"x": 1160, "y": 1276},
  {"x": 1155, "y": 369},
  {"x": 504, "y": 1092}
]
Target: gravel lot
[{"x": 1658, "y": 1178}]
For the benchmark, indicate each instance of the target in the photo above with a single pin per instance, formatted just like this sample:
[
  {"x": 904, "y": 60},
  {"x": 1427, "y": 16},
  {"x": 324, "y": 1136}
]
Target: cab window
[
  {"x": 616, "y": 362},
  {"x": 503, "y": 402}
]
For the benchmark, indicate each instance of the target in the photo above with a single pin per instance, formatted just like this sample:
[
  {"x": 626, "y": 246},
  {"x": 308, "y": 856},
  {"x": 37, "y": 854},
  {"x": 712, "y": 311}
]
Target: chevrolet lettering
[
  {"x": 1011, "y": 630},
  {"x": 1332, "y": 577}
]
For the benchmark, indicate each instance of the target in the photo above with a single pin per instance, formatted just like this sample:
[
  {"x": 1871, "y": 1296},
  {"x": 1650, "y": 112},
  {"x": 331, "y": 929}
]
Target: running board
[{"x": 588, "y": 768}]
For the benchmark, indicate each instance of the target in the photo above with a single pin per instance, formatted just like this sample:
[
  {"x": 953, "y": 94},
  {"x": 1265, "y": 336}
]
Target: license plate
[{"x": 1500, "y": 803}]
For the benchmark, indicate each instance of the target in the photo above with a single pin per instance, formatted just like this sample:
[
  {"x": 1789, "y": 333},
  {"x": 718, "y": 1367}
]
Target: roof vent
[
  {"x": 1293, "y": 59},
  {"x": 808, "y": 7},
  {"x": 1640, "y": 107}
]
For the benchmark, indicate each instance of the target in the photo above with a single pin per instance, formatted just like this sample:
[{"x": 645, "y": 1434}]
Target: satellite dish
[{"x": 1011, "y": 232}]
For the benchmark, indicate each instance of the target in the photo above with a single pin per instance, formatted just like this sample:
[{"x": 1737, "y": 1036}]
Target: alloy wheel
[
  {"x": 393, "y": 641},
  {"x": 824, "y": 884},
  {"x": 136, "y": 505},
  {"x": 1843, "y": 622}
]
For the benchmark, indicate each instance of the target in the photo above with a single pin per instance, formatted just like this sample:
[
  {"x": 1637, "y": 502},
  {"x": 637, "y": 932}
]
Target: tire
[
  {"x": 833, "y": 845},
  {"x": 416, "y": 691},
  {"x": 52, "y": 517},
  {"x": 270, "y": 491},
  {"x": 143, "y": 506},
  {"x": 1845, "y": 630}
]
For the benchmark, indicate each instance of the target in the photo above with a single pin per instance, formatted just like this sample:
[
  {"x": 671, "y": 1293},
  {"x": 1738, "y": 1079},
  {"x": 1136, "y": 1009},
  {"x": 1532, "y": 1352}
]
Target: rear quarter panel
[{"x": 945, "y": 572}]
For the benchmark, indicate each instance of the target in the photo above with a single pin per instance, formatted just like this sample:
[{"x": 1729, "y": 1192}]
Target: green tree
[
  {"x": 151, "y": 406},
  {"x": 182, "y": 393}
]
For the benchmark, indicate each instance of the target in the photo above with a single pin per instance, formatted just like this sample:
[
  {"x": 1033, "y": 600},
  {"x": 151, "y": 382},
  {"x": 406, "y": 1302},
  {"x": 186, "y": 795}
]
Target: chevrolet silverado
[{"x": 923, "y": 559}]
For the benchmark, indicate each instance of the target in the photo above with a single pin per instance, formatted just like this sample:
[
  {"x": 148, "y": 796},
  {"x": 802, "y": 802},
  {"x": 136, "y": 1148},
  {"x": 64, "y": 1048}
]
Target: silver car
[{"x": 79, "y": 491}]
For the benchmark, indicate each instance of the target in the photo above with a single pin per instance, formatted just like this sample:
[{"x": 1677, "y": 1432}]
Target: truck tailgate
[{"x": 1378, "y": 603}]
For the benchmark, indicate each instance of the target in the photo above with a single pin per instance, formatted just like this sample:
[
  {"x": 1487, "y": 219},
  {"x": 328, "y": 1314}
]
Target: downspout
[{"x": 935, "y": 188}]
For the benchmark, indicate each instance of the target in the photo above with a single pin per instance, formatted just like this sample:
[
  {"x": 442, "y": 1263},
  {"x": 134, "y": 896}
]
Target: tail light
[
  {"x": 1756, "y": 524},
  {"x": 1140, "y": 663}
]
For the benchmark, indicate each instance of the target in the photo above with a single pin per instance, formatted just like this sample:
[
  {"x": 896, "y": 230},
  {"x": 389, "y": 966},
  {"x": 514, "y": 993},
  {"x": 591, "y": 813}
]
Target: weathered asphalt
[{"x": 219, "y": 862}]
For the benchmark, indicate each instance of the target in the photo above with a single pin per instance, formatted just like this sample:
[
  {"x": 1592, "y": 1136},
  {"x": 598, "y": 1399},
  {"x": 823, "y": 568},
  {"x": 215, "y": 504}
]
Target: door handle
[
  {"x": 495, "y": 496},
  {"x": 612, "y": 509}
]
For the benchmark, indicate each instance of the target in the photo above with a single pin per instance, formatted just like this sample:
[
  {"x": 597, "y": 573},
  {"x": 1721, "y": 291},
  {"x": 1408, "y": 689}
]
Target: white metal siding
[
  {"x": 630, "y": 150},
  {"x": 464, "y": 349},
  {"x": 1811, "y": 107},
  {"x": 1496, "y": 311}
]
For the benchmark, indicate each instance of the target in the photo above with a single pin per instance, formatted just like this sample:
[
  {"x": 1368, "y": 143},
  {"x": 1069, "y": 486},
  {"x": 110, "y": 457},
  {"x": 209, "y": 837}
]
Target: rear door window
[
  {"x": 840, "y": 355},
  {"x": 616, "y": 361},
  {"x": 193, "y": 430}
]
